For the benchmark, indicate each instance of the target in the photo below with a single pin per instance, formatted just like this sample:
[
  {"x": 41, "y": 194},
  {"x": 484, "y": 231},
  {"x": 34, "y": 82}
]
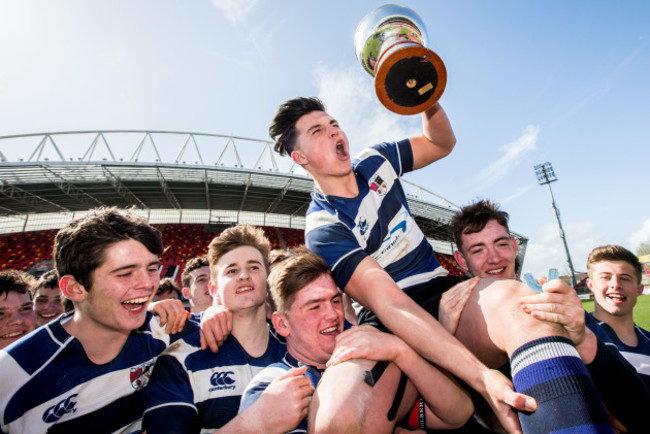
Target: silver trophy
[{"x": 390, "y": 44}]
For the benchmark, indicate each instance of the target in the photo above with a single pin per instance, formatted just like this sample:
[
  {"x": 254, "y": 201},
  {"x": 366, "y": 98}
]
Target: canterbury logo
[
  {"x": 222, "y": 378},
  {"x": 57, "y": 411}
]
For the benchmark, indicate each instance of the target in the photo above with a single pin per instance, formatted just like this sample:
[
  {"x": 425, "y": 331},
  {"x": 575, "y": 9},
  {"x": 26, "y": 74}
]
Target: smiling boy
[
  {"x": 485, "y": 249},
  {"x": 48, "y": 299},
  {"x": 310, "y": 316},
  {"x": 193, "y": 390},
  {"x": 615, "y": 280},
  {"x": 85, "y": 371},
  {"x": 16, "y": 308}
]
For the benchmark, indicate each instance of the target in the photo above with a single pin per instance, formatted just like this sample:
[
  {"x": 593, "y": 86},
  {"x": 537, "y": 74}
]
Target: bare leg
[
  {"x": 492, "y": 326},
  {"x": 344, "y": 403}
]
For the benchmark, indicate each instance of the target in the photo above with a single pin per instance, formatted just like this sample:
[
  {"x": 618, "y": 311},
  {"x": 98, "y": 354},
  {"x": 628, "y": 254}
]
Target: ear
[
  {"x": 640, "y": 289},
  {"x": 280, "y": 324},
  {"x": 589, "y": 284},
  {"x": 298, "y": 157},
  {"x": 71, "y": 289},
  {"x": 460, "y": 260},
  {"x": 186, "y": 293}
]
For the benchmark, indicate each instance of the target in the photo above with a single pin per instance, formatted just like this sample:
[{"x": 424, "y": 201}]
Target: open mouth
[
  {"x": 48, "y": 315},
  {"x": 617, "y": 298},
  {"x": 496, "y": 271},
  {"x": 330, "y": 330},
  {"x": 340, "y": 150},
  {"x": 135, "y": 304},
  {"x": 12, "y": 335},
  {"x": 243, "y": 289}
]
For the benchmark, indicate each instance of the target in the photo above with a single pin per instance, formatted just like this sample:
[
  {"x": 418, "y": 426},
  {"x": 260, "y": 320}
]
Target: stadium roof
[{"x": 173, "y": 177}]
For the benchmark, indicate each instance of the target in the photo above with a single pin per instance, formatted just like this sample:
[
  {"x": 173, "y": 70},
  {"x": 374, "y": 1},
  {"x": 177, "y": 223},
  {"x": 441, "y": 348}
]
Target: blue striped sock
[{"x": 551, "y": 371}]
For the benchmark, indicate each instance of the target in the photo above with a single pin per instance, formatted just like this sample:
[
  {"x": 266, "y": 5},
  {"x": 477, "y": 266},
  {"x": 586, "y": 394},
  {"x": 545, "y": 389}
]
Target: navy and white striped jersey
[
  {"x": 638, "y": 356},
  {"x": 376, "y": 223},
  {"x": 262, "y": 380},
  {"x": 49, "y": 384},
  {"x": 192, "y": 389}
]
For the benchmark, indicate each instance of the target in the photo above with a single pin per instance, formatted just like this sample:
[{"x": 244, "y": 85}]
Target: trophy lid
[{"x": 381, "y": 16}]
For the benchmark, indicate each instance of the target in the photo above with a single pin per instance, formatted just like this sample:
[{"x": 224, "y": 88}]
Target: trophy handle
[{"x": 410, "y": 78}]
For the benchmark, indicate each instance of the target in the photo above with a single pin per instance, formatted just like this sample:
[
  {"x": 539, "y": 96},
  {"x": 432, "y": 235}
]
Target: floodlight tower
[{"x": 546, "y": 175}]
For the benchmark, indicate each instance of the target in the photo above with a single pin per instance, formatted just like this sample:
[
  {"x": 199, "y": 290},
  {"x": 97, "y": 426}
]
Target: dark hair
[
  {"x": 16, "y": 281},
  {"x": 473, "y": 218},
  {"x": 612, "y": 252},
  {"x": 49, "y": 279},
  {"x": 168, "y": 285},
  {"x": 191, "y": 265},
  {"x": 80, "y": 247},
  {"x": 283, "y": 126},
  {"x": 291, "y": 275}
]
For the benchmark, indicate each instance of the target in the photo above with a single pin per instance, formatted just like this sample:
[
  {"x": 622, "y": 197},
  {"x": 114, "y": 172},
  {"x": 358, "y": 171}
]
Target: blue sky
[{"x": 528, "y": 82}]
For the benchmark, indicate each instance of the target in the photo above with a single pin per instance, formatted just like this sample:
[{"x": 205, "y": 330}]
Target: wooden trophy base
[{"x": 409, "y": 78}]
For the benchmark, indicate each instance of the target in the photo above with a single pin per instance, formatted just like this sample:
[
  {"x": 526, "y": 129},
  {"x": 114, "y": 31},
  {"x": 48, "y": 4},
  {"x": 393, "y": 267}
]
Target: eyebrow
[
  {"x": 252, "y": 261},
  {"x": 483, "y": 243},
  {"x": 27, "y": 303},
  {"x": 320, "y": 300},
  {"x": 132, "y": 266},
  {"x": 609, "y": 273},
  {"x": 332, "y": 121}
]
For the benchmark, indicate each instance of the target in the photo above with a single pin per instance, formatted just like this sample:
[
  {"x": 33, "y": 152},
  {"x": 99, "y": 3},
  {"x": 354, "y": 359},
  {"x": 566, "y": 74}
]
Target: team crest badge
[
  {"x": 378, "y": 186},
  {"x": 140, "y": 374}
]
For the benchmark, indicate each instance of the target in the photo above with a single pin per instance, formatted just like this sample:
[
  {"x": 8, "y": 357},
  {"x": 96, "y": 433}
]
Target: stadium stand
[{"x": 22, "y": 251}]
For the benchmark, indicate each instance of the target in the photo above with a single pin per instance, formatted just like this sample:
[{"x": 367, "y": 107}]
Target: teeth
[
  {"x": 329, "y": 330},
  {"x": 616, "y": 296},
  {"x": 48, "y": 315},
  {"x": 245, "y": 288},
  {"x": 500, "y": 270},
  {"x": 136, "y": 300},
  {"x": 12, "y": 335}
]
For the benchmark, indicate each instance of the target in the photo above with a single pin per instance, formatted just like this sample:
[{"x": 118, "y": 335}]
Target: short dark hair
[
  {"x": 80, "y": 247},
  {"x": 292, "y": 274},
  {"x": 191, "y": 265},
  {"x": 613, "y": 252},
  {"x": 473, "y": 218},
  {"x": 16, "y": 281},
  {"x": 168, "y": 285},
  {"x": 49, "y": 279},
  {"x": 283, "y": 126}
]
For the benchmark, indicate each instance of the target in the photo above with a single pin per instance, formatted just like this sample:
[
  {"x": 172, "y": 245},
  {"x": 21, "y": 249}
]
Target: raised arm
[
  {"x": 437, "y": 138},
  {"x": 371, "y": 286}
]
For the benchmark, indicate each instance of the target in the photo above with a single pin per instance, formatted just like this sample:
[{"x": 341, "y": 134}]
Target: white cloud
[
  {"x": 520, "y": 192},
  {"x": 349, "y": 96},
  {"x": 640, "y": 236},
  {"x": 546, "y": 250},
  {"x": 513, "y": 153},
  {"x": 235, "y": 11}
]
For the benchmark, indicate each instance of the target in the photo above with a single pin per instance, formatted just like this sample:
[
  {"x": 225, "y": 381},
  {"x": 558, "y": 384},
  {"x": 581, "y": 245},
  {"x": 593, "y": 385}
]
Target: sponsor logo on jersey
[
  {"x": 393, "y": 237},
  {"x": 378, "y": 186},
  {"x": 140, "y": 374},
  {"x": 60, "y": 409},
  {"x": 221, "y": 380}
]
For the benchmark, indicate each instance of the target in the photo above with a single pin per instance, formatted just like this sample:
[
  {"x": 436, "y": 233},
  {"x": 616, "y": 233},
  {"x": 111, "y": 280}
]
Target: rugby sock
[{"x": 551, "y": 371}]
